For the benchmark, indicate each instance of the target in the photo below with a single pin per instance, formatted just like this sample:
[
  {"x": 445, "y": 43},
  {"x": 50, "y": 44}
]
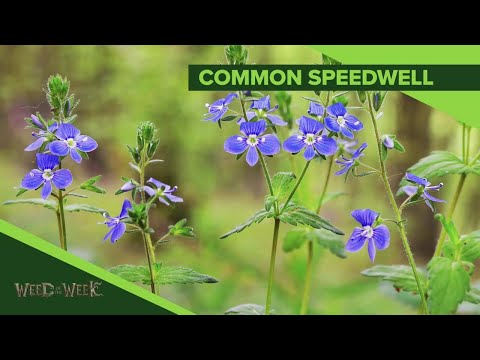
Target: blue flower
[
  {"x": 45, "y": 175},
  {"x": 263, "y": 110},
  {"x": 341, "y": 121},
  {"x": 163, "y": 191},
  {"x": 421, "y": 187},
  {"x": 316, "y": 109},
  {"x": 377, "y": 236},
  {"x": 238, "y": 144},
  {"x": 388, "y": 142},
  {"x": 219, "y": 108},
  {"x": 42, "y": 135},
  {"x": 310, "y": 140},
  {"x": 70, "y": 140},
  {"x": 348, "y": 163},
  {"x": 117, "y": 227}
]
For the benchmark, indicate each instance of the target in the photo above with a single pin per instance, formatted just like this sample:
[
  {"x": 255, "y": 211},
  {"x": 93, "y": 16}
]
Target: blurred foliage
[{"x": 120, "y": 86}]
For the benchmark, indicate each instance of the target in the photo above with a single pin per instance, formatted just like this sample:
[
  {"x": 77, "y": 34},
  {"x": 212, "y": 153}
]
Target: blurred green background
[{"x": 120, "y": 86}]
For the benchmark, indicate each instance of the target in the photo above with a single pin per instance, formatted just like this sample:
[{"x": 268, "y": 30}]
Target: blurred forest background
[{"x": 120, "y": 86}]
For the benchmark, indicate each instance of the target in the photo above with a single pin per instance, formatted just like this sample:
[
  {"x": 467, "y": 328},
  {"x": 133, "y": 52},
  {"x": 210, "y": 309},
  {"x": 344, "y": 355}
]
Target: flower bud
[
  {"x": 362, "y": 96},
  {"x": 378, "y": 98},
  {"x": 66, "y": 108},
  {"x": 236, "y": 54},
  {"x": 152, "y": 148},
  {"x": 147, "y": 131}
]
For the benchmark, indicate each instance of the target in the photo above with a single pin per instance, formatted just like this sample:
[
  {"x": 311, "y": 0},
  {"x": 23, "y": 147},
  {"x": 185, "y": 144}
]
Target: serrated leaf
[
  {"x": 132, "y": 273},
  {"x": 229, "y": 118},
  {"x": 440, "y": 163},
  {"x": 448, "y": 282},
  {"x": 473, "y": 296},
  {"x": 48, "y": 204},
  {"x": 331, "y": 196},
  {"x": 295, "y": 239},
  {"x": 330, "y": 241},
  {"x": 258, "y": 217},
  {"x": 78, "y": 195},
  {"x": 134, "y": 167},
  {"x": 282, "y": 184},
  {"x": 296, "y": 214},
  {"x": 84, "y": 207},
  {"x": 400, "y": 275},
  {"x": 469, "y": 247},
  {"x": 181, "y": 275},
  {"x": 398, "y": 146},
  {"x": 269, "y": 201},
  {"x": 20, "y": 192},
  {"x": 247, "y": 309}
]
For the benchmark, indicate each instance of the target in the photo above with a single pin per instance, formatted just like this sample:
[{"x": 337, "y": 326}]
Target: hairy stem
[
  {"x": 60, "y": 231},
  {"x": 308, "y": 280},
  {"x": 325, "y": 185},
  {"x": 396, "y": 211},
  {"x": 271, "y": 272},
  {"x": 63, "y": 243},
  {"x": 296, "y": 186}
]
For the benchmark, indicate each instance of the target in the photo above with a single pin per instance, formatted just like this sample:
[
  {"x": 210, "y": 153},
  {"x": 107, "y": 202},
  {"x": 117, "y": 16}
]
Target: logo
[{"x": 46, "y": 289}]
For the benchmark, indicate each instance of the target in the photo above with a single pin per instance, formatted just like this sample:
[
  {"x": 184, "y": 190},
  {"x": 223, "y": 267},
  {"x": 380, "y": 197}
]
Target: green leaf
[
  {"x": 469, "y": 246},
  {"x": 134, "y": 167},
  {"x": 49, "y": 204},
  {"x": 269, "y": 201},
  {"x": 91, "y": 181},
  {"x": 330, "y": 241},
  {"x": 295, "y": 239},
  {"x": 132, "y": 273},
  {"x": 154, "y": 161},
  {"x": 179, "y": 229},
  {"x": 400, "y": 275},
  {"x": 398, "y": 146},
  {"x": 440, "y": 163},
  {"x": 94, "y": 189},
  {"x": 78, "y": 195},
  {"x": 384, "y": 152},
  {"x": 340, "y": 99},
  {"x": 229, "y": 118},
  {"x": 449, "y": 282},
  {"x": 331, "y": 196},
  {"x": 181, "y": 275},
  {"x": 282, "y": 184},
  {"x": 84, "y": 207},
  {"x": 247, "y": 309},
  {"x": 312, "y": 99},
  {"x": 257, "y": 218},
  {"x": 296, "y": 214},
  {"x": 83, "y": 154},
  {"x": 473, "y": 296},
  {"x": 20, "y": 192},
  {"x": 449, "y": 227}
]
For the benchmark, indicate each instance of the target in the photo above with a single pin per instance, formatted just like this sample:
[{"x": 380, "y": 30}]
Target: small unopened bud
[{"x": 236, "y": 54}]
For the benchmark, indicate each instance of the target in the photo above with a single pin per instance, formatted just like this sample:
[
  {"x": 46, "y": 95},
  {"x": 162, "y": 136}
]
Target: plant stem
[
  {"x": 296, "y": 186},
  {"x": 398, "y": 215},
  {"x": 62, "y": 217},
  {"x": 308, "y": 280},
  {"x": 242, "y": 102},
  {"x": 60, "y": 233},
  {"x": 325, "y": 185},
  {"x": 265, "y": 172},
  {"x": 271, "y": 272}
]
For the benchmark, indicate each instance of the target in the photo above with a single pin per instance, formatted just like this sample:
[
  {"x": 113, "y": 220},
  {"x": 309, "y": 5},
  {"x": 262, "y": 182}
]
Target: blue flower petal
[
  {"x": 125, "y": 206},
  {"x": 371, "y": 250},
  {"x": 235, "y": 144},
  {"x": 414, "y": 178},
  {"x": 117, "y": 232},
  {"x": 250, "y": 116},
  {"x": 229, "y": 98},
  {"x": 129, "y": 185},
  {"x": 162, "y": 200},
  {"x": 261, "y": 104},
  {"x": 325, "y": 145},
  {"x": 347, "y": 133},
  {"x": 75, "y": 156},
  {"x": 359, "y": 152},
  {"x": 365, "y": 217},
  {"x": 356, "y": 241},
  {"x": 429, "y": 204},
  {"x": 344, "y": 170},
  {"x": 62, "y": 178},
  {"x": 216, "y": 115},
  {"x": 253, "y": 128},
  {"x": 252, "y": 156},
  {"x": 410, "y": 190},
  {"x": 36, "y": 121},
  {"x": 157, "y": 183},
  {"x": 36, "y": 144},
  {"x": 294, "y": 144},
  {"x": 32, "y": 180},
  {"x": 316, "y": 109},
  {"x": 149, "y": 190},
  {"x": 47, "y": 189},
  {"x": 59, "y": 148},
  {"x": 86, "y": 143},
  {"x": 337, "y": 109},
  {"x": 276, "y": 120},
  {"x": 353, "y": 123},
  {"x": 47, "y": 161},
  {"x": 388, "y": 142},
  {"x": 309, "y": 153},
  {"x": 309, "y": 126},
  {"x": 432, "y": 198},
  {"x": 381, "y": 237},
  {"x": 174, "y": 198},
  {"x": 269, "y": 144},
  {"x": 109, "y": 233},
  {"x": 332, "y": 124},
  {"x": 67, "y": 131}
]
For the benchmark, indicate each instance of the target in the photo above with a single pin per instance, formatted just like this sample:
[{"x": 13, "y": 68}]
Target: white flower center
[
  {"x": 309, "y": 139},
  {"x": 341, "y": 120},
  {"x": 71, "y": 143},
  {"x": 47, "y": 174},
  {"x": 367, "y": 231},
  {"x": 252, "y": 140}
]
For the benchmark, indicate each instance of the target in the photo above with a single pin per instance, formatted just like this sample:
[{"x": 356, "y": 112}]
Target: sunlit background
[{"x": 120, "y": 86}]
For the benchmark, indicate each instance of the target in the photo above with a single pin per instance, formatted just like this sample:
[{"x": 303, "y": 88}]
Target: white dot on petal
[
  {"x": 239, "y": 138},
  {"x": 263, "y": 140},
  {"x": 299, "y": 137}
]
